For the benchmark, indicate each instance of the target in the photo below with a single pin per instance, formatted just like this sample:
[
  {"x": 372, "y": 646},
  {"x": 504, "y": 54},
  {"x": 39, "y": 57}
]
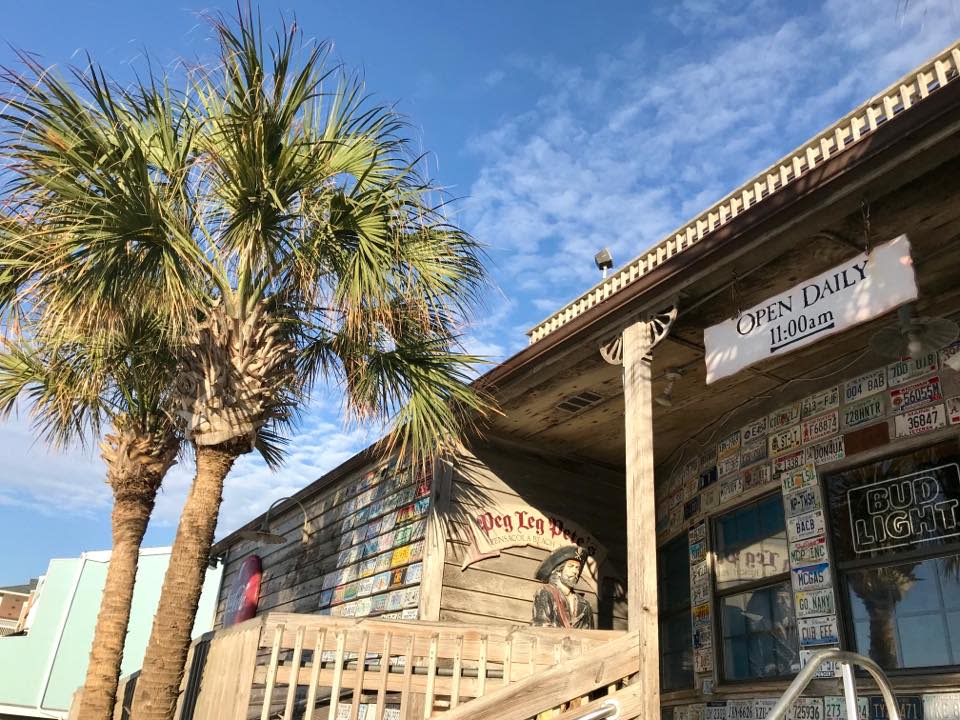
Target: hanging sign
[
  {"x": 859, "y": 290},
  {"x": 509, "y": 525}
]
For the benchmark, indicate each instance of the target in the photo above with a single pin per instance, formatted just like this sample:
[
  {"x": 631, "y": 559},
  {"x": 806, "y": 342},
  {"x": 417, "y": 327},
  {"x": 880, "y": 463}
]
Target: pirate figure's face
[{"x": 569, "y": 572}]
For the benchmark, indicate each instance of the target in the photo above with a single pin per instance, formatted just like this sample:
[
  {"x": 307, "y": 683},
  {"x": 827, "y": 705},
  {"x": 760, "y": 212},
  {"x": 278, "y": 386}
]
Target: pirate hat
[{"x": 558, "y": 557}]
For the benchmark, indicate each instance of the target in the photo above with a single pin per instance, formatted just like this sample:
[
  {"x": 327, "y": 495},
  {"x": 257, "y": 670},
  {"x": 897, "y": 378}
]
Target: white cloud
[{"x": 621, "y": 152}]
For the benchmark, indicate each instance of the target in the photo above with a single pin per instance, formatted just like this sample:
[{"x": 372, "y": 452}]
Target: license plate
[
  {"x": 754, "y": 430},
  {"x": 730, "y": 489},
  {"x": 811, "y": 603},
  {"x": 717, "y": 710},
  {"x": 699, "y": 573},
  {"x": 945, "y": 354},
  {"x": 728, "y": 465},
  {"x": 740, "y": 710},
  {"x": 865, "y": 385},
  {"x": 753, "y": 451},
  {"x": 701, "y": 615},
  {"x": 762, "y": 707},
  {"x": 703, "y": 637},
  {"x": 783, "y": 417},
  {"x": 697, "y": 532},
  {"x": 802, "y": 477},
  {"x": 698, "y": 551},
  {"x": 863, "y": 412},
  {"x": 807, "y": 552},
  {"x": 905, "y": 370},
  {"x": 953, "y": 410},
  {"x": 805, "y": 526},
  {"x": 820, "y": 427},
  {"x": 801, "y": 501},
  {"x": 818, "y": 631},
  {"x": 783, "y": 441},
  {"x": 806, "y": 709},
  {"x": 820, "y": 402},
  {"x": 828, "y": 669},
  {"x": 811, "y": 577},
  {"x": 941, "y": 706},
  {"x": 834, "y": 708},
  {"x": 790, "y": 461},
  {"x": 921, "y": 420},
  {"x": 826, "y": 451},
  {"x": 703, "y": 662},
  {"x": 916, "y": 394},
  {"x": 910, "y": 707},
  {"x": 700, "y": 594},
  {"x": 728, "y": 446},
  {"x": 756, "y": 476}
]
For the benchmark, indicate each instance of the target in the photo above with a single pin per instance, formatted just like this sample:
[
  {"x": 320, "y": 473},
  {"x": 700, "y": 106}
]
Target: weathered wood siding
[{"x": 501, "y": 588}]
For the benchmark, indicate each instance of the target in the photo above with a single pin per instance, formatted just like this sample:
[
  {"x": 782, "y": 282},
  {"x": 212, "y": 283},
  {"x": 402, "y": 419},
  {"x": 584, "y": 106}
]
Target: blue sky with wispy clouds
[{"x": 562, "y": 127}]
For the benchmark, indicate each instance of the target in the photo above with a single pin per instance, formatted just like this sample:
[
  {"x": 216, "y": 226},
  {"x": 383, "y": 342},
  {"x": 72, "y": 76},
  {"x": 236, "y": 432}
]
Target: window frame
[
  {"x": 745, "y": 587},
  {"x": 842, "y": 568},
  {"x": 664, "y": 615}
]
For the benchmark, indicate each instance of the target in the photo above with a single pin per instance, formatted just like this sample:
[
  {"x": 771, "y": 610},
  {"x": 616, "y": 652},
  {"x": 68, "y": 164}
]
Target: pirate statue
[{"x": 556, "y": 604}]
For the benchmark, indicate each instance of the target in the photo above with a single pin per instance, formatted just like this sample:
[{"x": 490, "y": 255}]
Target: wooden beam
[
  {"x": 641, "y": 520},
  {"x": 431, "y": 580}
]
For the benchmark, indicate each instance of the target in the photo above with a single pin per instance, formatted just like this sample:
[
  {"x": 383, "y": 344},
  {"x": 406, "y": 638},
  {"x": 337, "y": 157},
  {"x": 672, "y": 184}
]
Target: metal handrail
[
  {"x": 610, "y": 710},
  {"x": 847, "y": 659}
]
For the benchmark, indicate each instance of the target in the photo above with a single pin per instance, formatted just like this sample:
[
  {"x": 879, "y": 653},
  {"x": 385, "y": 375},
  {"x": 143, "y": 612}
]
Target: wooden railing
[
  {"x": 899, "y": 97},
  {"x": 313, "y": 667}
]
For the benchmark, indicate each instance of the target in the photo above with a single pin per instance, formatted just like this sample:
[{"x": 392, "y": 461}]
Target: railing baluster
[
  {"x": 315, "y": 674},
  {"x": 358, "y": 681},
  {"x": 384, "y": 677},
  {"x": 407, "y": 679},
  {"x": 457, "y": 671},
  {"x": 482, "y": 667},
  {"x": 272, "y": 673},
  {"x": 294, "y": 674},
  {"x": 431, "y": 675},
  {"x": 337, "y": 676}
]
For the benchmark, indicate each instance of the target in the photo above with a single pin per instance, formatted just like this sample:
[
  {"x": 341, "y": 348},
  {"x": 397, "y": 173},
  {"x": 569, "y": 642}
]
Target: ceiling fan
[{"x": 914, "y": 336}]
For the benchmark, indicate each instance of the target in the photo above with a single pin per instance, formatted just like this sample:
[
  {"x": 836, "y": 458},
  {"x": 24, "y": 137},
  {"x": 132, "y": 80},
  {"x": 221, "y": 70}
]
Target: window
[
  {"x": 896, "y": 526},
  {"x": 758, "y": 630},
  {"x": 676, "y": 652}
]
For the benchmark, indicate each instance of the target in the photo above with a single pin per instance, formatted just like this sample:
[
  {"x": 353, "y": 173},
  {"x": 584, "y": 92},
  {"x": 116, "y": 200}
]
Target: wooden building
[{"x": 802, "y": 498}]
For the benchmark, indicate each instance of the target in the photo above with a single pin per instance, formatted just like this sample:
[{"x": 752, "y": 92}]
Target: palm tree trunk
[
  {"x": 131, "y": 512},
  {"x": 155, "y": 697}
]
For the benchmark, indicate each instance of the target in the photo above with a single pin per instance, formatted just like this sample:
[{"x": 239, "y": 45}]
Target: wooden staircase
[{"x": 268, "y": 668}]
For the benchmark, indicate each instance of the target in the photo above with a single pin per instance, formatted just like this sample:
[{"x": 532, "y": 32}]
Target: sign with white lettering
[
  {"x": 868, "y": 384},
  {"x": 916, "y": 394},
  {"x": 814, "y": 602},
  {"x": 862, "y": 412},
  {"x": 826, "y": 451},
  {"x": 811, "y": 577},
  {"x": 809, "y": 551},
  {"x": 804, "y": 526},
  {"x": 818, "y": 631},
  {"x": 820, "y": 402},
  {"x": 859, "y": 290},
  {"x": 909, "y": 368},
  {"x": 820, "y": 427},
  {"x": 897, "y": 512},
  {"x": 921, "y": 420}
]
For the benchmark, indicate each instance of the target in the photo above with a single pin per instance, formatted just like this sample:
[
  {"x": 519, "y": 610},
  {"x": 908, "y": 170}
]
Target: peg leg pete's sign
[
  {"x": 859, "y": 290},
  {"x": 514, "y": 525}
]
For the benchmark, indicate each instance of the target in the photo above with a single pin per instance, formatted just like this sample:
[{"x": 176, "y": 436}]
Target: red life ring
[{"x": 244, "y": 592}]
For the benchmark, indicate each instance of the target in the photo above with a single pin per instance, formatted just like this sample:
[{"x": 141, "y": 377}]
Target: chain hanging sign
[{"x": 859, "y": 290}]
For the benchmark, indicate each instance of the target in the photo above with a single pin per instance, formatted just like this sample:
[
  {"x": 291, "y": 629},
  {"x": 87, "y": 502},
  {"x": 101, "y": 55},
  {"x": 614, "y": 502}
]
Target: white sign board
[{"x": 859, "y": 290}]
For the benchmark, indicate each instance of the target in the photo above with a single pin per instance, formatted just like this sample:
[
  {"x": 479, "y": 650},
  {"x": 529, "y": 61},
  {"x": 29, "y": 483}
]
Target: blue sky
[{"x": 563, "y": 127}]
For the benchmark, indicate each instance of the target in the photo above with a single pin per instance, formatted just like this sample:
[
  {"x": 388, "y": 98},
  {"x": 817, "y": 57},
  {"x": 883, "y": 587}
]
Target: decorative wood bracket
[{"x": 660, "y": 323}]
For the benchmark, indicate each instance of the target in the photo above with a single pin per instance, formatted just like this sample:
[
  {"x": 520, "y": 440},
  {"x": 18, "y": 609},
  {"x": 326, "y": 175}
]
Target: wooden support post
[
  {"x": 638, "y": 341},
  {"x": 431, "y": 580}
]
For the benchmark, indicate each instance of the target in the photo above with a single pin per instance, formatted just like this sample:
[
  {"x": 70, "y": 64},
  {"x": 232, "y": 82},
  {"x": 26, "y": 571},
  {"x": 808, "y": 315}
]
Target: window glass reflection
[
  {"x": 908, "y": 615},
  {"x": 751, "y": 544},
  {"x": 759, "y": 634}
]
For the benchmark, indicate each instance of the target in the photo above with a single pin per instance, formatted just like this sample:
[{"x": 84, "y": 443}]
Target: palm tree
[
  {"x": 72, "y": 387},
  {"x": 282, "y": 231}
]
